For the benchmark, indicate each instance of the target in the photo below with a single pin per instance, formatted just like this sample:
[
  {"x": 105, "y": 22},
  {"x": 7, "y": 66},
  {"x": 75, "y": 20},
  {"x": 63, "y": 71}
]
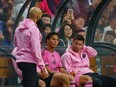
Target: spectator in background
[
  {"x": 8, "y": 33},
  {"x": 6, "y": 13},
  {"x": 66, "y": 33},
  {"x": 45, "y": 19},
  {"x": 109, "y": 37},
  {"x": 98, "y": 35},
  {"x": 27, "y": 39},
  {"x": 66, "y": 19},
  {"x": 8, "y": 9},
  {"x": 5, "y": 2},
  {"x": 79, "y": 23},
  {"x": 46, "y": 30},
  {"x": 81, "y": 32},
  {"x": 43, "y": 5}
]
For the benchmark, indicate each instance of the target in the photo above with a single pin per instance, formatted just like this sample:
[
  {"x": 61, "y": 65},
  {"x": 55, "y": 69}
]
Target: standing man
[
  {"x": 27, "y": 39},
  {"x": 76, "y": 60}
]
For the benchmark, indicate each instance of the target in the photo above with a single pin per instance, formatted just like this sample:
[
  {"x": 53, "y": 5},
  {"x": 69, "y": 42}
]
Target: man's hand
[
  {"x": 44, "y": 73},
  {"x": 73, "y": 73}
]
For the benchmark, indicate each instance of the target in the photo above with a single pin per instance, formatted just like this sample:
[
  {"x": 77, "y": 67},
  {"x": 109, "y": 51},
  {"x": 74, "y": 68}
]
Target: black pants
[
  {"x": 102, "y": 80},
  {"x": 29, "y": 74}
]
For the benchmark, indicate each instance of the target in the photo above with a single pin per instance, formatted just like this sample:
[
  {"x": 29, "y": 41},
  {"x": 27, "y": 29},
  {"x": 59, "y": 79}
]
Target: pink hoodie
[
  {"x": 27, "y": 39},
  {"x": 17, "y": 70},
  {"x": 78, "y": 62}
]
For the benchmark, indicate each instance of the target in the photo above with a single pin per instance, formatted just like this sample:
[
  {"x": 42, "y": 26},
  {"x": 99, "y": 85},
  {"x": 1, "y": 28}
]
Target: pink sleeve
[
  {"x": 66, "y": 61},
  {"x": 17, "y": 70},
  {"x": 90, "y": 51},
  {"x": 36, "y": 47},
  {"x": 38, "y": 69},
  {"x": 45, "y": 58}
]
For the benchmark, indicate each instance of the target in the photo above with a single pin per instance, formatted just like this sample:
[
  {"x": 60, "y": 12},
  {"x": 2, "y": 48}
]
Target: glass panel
[{"x": 106, "y": 28}]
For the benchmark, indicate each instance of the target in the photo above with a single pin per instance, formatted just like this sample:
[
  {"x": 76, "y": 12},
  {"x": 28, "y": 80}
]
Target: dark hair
[
  {"x": 61, "y": 32},
  {"x": 46, "y": 15},
  {"x": 46, "y": 25},
  {"x": 81, "y": 16},
  {"x": 79, "y": 37},
  {"x": 50, "y": 35},
  {"x": 80, "y": 30},
  {"x": 112, "y": 33}
]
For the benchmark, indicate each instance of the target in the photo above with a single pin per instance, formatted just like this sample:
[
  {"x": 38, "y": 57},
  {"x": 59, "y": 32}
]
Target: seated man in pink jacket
[
  {"x": 76, "y": 60},
  {"x": 53, "y": 63}
]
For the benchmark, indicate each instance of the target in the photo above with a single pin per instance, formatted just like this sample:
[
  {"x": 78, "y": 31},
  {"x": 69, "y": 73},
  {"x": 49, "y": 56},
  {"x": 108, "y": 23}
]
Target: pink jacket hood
[{"x": 26, "y": 24}]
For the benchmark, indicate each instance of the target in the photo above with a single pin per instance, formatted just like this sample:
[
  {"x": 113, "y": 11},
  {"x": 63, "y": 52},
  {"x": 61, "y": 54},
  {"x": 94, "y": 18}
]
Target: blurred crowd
[{"x": 74, "y": 20}]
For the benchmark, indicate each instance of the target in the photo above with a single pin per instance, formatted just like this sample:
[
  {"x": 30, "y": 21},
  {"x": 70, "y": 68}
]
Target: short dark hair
[
  {"x": 79, "y": 37},
  {"x": 112, "y": 33},
  {"x": 46, "y": 15},
  {"x": 50, "y": 35},
  {"x": 80, "y": 30},
  {"x": 46, "y": 25}
]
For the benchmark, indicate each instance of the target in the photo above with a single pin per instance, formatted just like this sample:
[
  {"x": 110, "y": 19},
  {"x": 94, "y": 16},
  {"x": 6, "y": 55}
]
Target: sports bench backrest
[
  {"x": 6, "y": 68},
  {"x": 93, "y": 64},
  {"x": 107, "y": 65}
]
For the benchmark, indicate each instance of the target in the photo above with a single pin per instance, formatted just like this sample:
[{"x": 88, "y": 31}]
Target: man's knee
[
  {"x": 61, "y": 77},
  {"x": 41, "y": 83},
  {"x": 65, "y": 78},
  {"x": 85, "y": 78}
]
